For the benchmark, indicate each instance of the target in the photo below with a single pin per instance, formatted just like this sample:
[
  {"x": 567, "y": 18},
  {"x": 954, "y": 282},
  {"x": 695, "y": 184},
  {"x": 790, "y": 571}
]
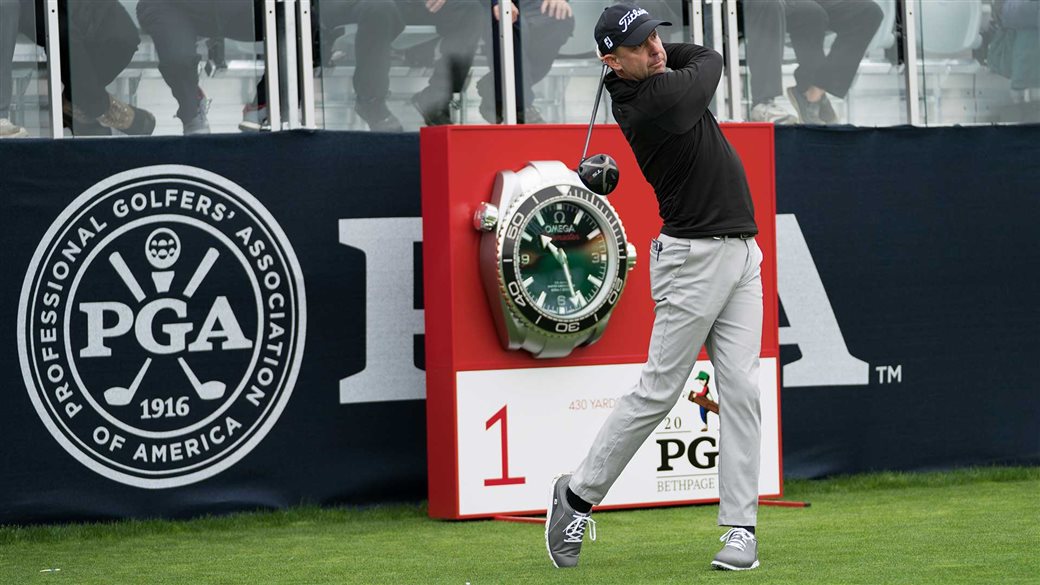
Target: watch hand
[
  {"x": 579, "y": 299},
  {"x": 557, "y": 253},
  {"x": 567, "y": 274},
  {"x": 547, "y": 244},
  {"x": 561, "y": 257}
]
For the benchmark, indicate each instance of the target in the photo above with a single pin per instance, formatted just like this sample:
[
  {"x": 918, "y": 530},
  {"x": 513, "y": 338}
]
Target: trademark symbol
[{"x": 889, "y": 374}]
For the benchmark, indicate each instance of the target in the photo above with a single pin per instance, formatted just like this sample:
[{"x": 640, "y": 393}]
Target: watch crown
[
  {"x": 485, "y": 219},
  {"x": 631, "y": 260}
]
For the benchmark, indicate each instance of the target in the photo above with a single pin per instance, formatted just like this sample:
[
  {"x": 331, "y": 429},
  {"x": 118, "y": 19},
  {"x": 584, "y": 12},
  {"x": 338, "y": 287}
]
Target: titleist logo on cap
[
  {"x": 624, "y": 24},
  {"x": 630, "y": 18}
]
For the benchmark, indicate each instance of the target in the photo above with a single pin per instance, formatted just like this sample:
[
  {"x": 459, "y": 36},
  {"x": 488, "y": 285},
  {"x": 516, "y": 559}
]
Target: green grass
[{"x": 979, "y": 526}]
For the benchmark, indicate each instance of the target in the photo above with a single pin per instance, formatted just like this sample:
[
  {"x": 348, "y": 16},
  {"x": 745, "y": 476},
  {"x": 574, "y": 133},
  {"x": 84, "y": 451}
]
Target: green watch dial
[{"x": 562, "y": 259}]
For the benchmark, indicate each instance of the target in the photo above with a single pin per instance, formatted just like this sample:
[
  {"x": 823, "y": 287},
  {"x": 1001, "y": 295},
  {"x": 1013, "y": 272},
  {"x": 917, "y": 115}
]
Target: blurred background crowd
[{"x": 171, "y": 67}]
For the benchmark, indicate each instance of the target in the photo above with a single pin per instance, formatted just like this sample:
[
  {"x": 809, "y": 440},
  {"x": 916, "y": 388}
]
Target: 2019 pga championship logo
[{"x": 161, "y": 326}]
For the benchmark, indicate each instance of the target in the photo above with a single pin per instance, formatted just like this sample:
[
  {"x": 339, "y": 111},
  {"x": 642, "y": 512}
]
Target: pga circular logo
[{"x": 161, "y": 326}]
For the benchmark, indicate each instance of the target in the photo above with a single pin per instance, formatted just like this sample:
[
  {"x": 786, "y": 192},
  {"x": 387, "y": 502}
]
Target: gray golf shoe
[
  {"x": 565, "y": 526},
  {"x": 740, "y": 552}
]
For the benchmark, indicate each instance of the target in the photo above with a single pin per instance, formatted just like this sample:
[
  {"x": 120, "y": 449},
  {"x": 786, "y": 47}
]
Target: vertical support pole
[
  {"x": 274, "y": 104},
  {"x": 736, "y": 93},
  {"x": 54, "y": 67},
  {"x": 721, "y": 100},
  {"x": 292, "y": 72},
  {"x": 505, "y": 61},
  {"x": 913, "y": 109},
  {"x": 306, "y": 72},
  {"x": 697, "y": 21}
]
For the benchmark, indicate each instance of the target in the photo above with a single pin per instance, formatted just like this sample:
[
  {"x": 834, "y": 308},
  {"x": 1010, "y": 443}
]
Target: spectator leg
[
  {"x": 541, "y": 36},
  {"x": 807, "y": 24},
  {"x": 855, "y": 22},
  {"x": 173, "y": 30},
  {"x": 460, "y": 24},
  {"x": 379, "y": 23},
  {"x": 96, "y": 61},
  {"x": 765, "y": 30},
  {"x": 9, "y": 10}
]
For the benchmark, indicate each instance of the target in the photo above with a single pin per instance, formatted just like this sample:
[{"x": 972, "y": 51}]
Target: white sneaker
[
  {"x": 770, "y": 111},
  {"x": 200, "y": 123},
  {"x": 9, "y": 129},
  {"x": 254, "y": 119}
]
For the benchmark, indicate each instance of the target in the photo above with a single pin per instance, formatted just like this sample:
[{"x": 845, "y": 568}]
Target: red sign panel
[{"x": 459, "y": 164}]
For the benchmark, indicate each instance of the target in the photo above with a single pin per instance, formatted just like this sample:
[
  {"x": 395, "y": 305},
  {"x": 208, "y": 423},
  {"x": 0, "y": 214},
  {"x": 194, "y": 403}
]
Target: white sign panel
[{"x": 517, "y": 429}]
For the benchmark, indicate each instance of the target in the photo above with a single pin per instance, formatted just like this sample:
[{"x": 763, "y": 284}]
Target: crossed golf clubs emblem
[{"x": 163, "y": 249}]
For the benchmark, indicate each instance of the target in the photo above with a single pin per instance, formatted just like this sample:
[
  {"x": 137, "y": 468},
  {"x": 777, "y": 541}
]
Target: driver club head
[{"x": 599, "y": 173}]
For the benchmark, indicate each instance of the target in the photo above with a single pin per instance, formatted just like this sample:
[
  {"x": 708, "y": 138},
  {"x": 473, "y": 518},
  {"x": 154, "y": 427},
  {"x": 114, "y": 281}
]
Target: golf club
[
  {"x": 598, "y": 172},
  {"x": 117, "y": 262},
  {"x": 119, "y": 396},
  {"x": 210, "y": 390}
]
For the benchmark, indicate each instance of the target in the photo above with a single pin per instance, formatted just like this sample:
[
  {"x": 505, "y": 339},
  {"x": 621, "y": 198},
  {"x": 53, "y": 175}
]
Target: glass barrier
[
  {"x": 557, "y": 71},
  {"x": 136, "y": 67},
  {"x": 819, "y": 63},
  {"x": 23, "y": 71},
  {"x": 568, "y": 91},
  {"x": 140, "y": 67},
  {"x": 980, "y": 61},
  {"x": 394, "y": 65}
]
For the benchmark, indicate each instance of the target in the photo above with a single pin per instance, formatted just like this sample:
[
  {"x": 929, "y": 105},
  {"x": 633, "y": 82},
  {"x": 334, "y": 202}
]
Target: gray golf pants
[{"x": 708, "y": 292}]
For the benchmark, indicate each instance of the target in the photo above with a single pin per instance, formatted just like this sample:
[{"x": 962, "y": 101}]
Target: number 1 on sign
[{"x": 501, "y": 416}]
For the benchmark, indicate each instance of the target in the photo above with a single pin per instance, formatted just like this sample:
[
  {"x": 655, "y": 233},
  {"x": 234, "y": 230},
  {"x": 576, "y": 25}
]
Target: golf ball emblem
[
  {"x": 162, "y": 248},
  {"x": 166, "y": 367}
]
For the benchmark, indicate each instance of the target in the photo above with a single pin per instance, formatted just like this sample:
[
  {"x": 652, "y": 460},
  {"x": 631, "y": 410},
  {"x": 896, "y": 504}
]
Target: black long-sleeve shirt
[{"x": 701, "y": 187}]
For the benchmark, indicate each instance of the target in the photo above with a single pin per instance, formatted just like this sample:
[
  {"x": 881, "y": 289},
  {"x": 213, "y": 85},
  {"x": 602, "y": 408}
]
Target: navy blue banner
[
  {"x": 236, "y": 322},
  {"x": 186, "y": 325},
  {"x": 909, "y": 287}
]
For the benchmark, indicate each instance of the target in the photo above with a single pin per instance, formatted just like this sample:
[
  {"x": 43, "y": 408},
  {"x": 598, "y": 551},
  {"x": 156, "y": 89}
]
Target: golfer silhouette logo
[{"x": 161, "y": 326}]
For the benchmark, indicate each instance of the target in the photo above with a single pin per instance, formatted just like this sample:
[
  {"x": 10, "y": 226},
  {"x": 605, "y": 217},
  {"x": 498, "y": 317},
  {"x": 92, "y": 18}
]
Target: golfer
[{"x": 704, "y": 278}]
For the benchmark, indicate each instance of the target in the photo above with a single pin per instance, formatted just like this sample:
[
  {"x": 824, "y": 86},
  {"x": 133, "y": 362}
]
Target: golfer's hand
[
  {"x": 498, "y": 13},
  {"x": 435, "y": 5},
  {"x": 558, "y": 9}
]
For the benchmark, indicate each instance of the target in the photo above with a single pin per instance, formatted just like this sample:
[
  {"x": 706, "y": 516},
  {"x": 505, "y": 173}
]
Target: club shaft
[{"x": 595, "y": 109}]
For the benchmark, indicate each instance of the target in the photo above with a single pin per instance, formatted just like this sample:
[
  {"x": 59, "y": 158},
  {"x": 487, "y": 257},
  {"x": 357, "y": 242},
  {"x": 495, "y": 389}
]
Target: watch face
[{"x": 563, "y": 259}]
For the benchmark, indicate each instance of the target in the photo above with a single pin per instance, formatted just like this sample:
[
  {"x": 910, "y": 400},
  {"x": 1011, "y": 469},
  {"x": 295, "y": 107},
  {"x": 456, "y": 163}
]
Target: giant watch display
[{"x": 554, "y": 259}]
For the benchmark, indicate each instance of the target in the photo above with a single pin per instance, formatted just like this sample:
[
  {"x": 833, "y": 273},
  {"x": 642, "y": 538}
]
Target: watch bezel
[{"x": 513, "y": 290}]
